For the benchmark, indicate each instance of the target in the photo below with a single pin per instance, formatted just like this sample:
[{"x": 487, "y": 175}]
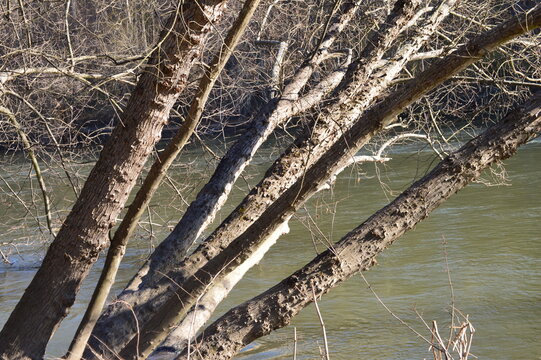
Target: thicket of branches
[{"x": 68, "y": 68}]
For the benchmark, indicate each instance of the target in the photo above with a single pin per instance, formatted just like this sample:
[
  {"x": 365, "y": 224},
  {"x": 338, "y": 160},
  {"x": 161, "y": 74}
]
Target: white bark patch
[{"x": 206, "y": 305}]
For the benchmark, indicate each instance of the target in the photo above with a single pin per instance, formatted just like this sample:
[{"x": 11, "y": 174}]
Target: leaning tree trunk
[
  {"x": 378, "y": 116},
  {"x": 84, "y": 234},
  {"x": 198, "y": 316},
  {"x": 357, "y": 250},
  {"x": 307, "y": 148},
  {"x": 136, "y": 294}
]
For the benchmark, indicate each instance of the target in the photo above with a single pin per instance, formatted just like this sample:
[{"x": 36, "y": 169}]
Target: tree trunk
[
  {"x": 378, "y": 116},
  {"x": 84, "y": 234},
  {"x": 145, "y": 299},
  {"x": 185, "y": 332},
  {"x": 213, "y": 195},
  {"x": 201, "y": 211},
  {"x": 290, "y": 167},
  {"x": 357, "y": 250}
]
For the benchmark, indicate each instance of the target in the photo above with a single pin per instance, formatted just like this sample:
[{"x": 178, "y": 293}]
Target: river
[{"x": 491, "y": 236}]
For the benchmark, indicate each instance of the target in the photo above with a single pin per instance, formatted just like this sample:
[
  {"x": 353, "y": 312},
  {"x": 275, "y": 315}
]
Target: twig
[
  {"x": 53, "y": 138},
  {"x": 294, "y": 343},
  {"x": 25, "y": 19},
  {"x": 325, "y": 342},
  {"x": 35, "y": 165},
  {"x": 68, "y": 38},
  {"x": 392, "y": 313},
  {"x": 6, "y": 260},
  {"x": 14, "y": 193},
  {"x": 451, "y": 289}
]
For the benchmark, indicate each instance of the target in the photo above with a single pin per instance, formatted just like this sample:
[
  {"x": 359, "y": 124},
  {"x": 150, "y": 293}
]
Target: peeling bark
[
  {"x": 357, "y": 250},
  {"x": 84, "y": 233}
]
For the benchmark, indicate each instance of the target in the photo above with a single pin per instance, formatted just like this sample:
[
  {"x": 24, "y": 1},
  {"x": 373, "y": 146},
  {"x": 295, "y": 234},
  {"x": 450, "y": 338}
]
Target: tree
[
  {"x": 266, "y": 218},
  {"x": 360, "y": 102}
]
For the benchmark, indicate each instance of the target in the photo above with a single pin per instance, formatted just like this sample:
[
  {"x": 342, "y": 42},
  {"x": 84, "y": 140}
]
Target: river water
[{"x": 490, "y": 235}]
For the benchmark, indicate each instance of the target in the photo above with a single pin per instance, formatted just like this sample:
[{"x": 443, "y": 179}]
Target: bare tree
[
  {"x": 346, "y": 79},
  {"x": 280, "y": 207}
]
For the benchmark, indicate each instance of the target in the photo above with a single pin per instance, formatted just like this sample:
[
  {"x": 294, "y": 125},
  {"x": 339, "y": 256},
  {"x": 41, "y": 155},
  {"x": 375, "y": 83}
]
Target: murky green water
[{"x": 493, "y": 248}]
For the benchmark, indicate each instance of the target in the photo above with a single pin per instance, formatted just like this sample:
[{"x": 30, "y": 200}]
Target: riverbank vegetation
[{"x": 337, "y": 76}]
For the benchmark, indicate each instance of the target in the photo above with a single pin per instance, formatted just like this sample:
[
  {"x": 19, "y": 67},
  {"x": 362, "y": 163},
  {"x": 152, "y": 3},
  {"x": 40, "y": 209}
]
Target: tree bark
[
  {"x": 213, "y": 195},
  {"x": 144, "y": 299},
  {"x": 357, "y": 250},
  {"x": 184, "y": 333},
  {"x": 378, "y": 116},
  {"x": 84, "y": 233},
  {"x": 291, "y": 165}
]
